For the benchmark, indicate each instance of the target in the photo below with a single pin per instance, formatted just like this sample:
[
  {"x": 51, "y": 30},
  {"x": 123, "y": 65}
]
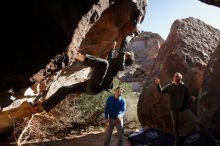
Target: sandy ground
[{"x": 93, "y": 138}]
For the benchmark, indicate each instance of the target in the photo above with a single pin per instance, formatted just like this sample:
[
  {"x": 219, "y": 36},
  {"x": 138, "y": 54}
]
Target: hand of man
[
  {"x": 106, "y": 122},
  {"x": 193, "y": 98},
  {"x": 119, "y": 119},
  {"x": 156, "y": 80},
  {"x": 37, "y": 107}
]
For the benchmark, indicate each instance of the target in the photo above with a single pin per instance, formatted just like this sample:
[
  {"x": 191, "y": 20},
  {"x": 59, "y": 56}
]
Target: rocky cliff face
[
  {"x": 36, "y": 33},
  {"x": 209, "y": 101},
  {"x": 145, "y": 47},
  {"x": 212, "y": 2},
  {"x": 41, "y": 37},
  {"x": 188, "y": 49}
]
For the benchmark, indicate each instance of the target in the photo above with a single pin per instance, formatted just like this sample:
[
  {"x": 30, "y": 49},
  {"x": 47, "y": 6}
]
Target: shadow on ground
[{"x": 90, "y": 139}]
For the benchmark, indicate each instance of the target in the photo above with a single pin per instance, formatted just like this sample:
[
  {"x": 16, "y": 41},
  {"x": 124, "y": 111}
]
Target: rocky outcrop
[
  {"x": 145, "y": 47},
  {"x": 41, "y": 37},
  {"x": 39, "y": 32},
  {"x": 45, "y": 35},
  {"x": 209, "y": 102},
  {"x": 122, "y": 18},
  {"x": 98, "y": 41},
  {"x": 212, "y": 2},
  {"x": 187, "y": 50}
]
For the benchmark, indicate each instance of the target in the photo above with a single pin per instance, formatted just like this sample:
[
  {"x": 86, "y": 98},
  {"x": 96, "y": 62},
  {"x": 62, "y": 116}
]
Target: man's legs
[
  {"x": 92, "y": 86},
  {"x": 175, "y": 120},
  {"x": 61, "y": 94},
  {"x": 109, "y": 132},
  {"x": 120, "y": 130},
  {"x": 100, "y": 69}
]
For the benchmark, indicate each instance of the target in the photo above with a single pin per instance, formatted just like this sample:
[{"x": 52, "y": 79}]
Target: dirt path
[{"x": 94, "y": 138}]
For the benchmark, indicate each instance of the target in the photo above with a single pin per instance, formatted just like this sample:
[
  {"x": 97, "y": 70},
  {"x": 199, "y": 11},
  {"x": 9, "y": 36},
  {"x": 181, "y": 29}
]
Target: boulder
[
  {"x": 145, "y": 47},
  {"x": 187, "y": 49},
  {"x": 209, "y": 101},
  {"x": 45, "y": 35}
]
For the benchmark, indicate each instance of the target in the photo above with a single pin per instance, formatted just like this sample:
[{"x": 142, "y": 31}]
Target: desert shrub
[
  {"x": 77, "y": 113},
  {"x": 88, "y": 109}
]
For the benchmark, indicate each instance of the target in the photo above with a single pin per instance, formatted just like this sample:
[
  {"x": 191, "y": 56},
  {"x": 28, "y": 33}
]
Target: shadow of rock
[
  {"x": 93, "y": 139},
  {"x": 5, "y": 100}
]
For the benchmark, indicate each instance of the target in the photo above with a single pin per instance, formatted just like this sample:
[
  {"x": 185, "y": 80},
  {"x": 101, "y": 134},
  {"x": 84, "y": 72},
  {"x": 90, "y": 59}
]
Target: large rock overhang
[{"x": 40, "y": 37}]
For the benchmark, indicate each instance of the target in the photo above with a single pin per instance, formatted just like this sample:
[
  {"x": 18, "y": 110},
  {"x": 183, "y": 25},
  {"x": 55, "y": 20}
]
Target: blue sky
[{"x": 161, "y": 14}]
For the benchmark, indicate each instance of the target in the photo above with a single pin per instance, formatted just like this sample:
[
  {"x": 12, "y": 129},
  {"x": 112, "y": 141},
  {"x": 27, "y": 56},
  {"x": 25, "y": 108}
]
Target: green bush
[
  {"x": 88, "y": 110},
  {"x": 79, "y": 112}
]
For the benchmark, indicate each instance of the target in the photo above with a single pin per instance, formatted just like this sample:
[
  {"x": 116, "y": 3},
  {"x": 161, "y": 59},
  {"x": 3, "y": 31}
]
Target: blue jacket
[{"x": 115, "y": 108}]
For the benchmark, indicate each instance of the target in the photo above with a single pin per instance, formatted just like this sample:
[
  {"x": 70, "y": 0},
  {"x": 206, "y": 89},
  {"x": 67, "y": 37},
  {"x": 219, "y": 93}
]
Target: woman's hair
[{"x": 129, "y": 58}]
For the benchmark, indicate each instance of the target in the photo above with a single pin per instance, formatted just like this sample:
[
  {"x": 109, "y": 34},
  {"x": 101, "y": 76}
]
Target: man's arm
[
  {"x": 159, "y": 88},
  {"x": 107, "y": 108},
  {"x": 123, "y": 109},
  {"x": 121, "y": 59},
  {"x": 110, "y": 54},
  {"x": 187, "y": 96},
  {"x": 121, "y": 51},
  {"x": 163, "y": 89}
]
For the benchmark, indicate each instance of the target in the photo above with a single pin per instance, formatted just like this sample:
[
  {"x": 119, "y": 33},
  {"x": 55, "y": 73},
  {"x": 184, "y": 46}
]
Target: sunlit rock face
[
  {"x": 212, "y": 2},
  {"x": 187, "y": 50},
  {"x": 209, "y": 102},
  {"x": 40, "y": 40},
  {"x": 120, "y": 19},
  {"x": 145, "y": 47},
  {"x": 41, "y": 37}
]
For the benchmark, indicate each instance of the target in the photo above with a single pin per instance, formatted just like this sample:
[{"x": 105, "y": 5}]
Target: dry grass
[{"x": 73, "y": 116}]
